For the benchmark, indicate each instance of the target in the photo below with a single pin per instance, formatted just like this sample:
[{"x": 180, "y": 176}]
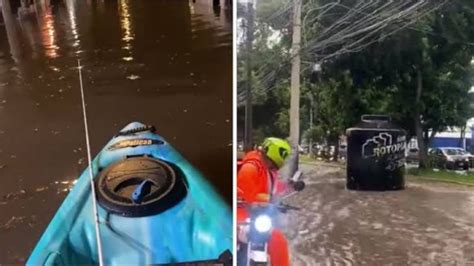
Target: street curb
[
  {"x": 413, "y": 177},
  {"x": 439, "y": 180},
  {"x": 324, "y": 164}
]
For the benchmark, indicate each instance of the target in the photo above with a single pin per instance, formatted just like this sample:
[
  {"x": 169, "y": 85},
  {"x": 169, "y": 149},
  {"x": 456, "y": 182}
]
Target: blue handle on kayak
[{"x": 142, "y": 190}]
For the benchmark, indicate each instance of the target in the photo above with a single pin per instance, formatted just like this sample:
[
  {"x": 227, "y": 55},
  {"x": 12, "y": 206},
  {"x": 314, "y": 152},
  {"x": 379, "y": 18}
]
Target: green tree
[{"x": 421, "y": 75}]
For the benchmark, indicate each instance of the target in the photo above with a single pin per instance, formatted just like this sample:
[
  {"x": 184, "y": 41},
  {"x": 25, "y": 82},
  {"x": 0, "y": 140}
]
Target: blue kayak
[{"x": 153, "y": 208}]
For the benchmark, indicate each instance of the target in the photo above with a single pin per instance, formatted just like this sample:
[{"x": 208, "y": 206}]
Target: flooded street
[
  {"x": 425, "y": 224},
  {"x": 165, "y": 63}
]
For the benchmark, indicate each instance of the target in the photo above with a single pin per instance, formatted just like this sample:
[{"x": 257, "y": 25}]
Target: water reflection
[
  {"x": 11, "y": 30},
  {"x": 48, "y": 34},
  {"x": 71, "y": 10},
  {"x": 191, "y": 6},
  {"x": 126, "y": 25},
  {"x": 178, "y": 78}
]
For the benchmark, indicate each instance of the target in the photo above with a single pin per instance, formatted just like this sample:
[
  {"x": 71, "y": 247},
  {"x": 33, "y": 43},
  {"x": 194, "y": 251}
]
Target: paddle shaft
[{"x": 91, "y": 174}]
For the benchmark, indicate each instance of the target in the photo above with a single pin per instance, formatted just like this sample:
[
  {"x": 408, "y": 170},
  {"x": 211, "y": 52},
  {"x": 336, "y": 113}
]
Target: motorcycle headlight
[{"x": 263, "y": 223}]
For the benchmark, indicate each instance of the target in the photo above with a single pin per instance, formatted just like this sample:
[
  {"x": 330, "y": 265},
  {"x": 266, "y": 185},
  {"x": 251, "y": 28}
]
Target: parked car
[
  {"x": 412, "y": 155},
  {"x": 303, "y": 149},
  {"x": 450, "y": 158},
  {"x": 343, "y": 151},
  {"x": 322, "y": 151}
]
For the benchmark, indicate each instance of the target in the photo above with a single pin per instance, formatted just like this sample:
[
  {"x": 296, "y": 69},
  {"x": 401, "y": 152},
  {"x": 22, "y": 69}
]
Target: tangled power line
[{"x": 352, "y": 29}]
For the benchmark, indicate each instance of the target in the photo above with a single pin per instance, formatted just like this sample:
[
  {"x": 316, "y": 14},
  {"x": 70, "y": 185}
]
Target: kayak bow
[{"x": 154, "y": 208}]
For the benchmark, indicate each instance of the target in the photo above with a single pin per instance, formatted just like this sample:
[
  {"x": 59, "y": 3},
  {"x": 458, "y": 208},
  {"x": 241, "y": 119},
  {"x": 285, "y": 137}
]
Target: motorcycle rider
[{"x": 257, "y": 181}]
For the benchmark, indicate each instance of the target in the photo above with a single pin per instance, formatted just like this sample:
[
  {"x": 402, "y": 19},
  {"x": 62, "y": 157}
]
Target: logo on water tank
[{"x": 383, "y": 144}]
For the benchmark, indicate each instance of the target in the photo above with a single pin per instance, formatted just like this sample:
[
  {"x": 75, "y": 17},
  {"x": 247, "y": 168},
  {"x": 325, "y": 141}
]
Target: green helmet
[{"x": 276, "y": 150}]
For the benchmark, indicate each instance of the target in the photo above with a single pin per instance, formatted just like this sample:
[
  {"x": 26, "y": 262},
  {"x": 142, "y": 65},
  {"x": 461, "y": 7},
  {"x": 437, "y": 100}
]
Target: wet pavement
[
  {"x": 166, "y": 63},
  {"x": 425, "y": 224}
]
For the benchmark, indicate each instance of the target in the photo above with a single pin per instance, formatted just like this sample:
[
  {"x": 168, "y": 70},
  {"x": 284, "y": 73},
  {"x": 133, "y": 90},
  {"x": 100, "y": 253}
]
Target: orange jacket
[{"x": 254, "y": 181}]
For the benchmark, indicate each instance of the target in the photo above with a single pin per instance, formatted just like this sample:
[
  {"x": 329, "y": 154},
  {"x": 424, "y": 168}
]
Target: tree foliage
[{"x": 434, "y": 51}]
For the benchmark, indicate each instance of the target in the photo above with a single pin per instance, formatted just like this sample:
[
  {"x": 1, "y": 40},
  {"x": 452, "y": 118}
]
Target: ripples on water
[{"x": 425, "y": 224}]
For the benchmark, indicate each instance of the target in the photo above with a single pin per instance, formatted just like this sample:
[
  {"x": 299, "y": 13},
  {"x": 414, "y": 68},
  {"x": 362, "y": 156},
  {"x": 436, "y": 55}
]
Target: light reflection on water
[
  {"x": 70, "y": 4},
  {"x": 127, "y": 29},
  {"x": 48, "y": 34},
  {"x": 178, "y": 73},
  {"x": 45, "y": 29}
]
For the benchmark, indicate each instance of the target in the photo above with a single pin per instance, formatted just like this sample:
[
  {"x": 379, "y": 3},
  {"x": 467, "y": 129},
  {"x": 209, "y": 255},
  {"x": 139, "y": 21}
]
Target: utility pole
[
  {"x": 295, "y": 88},
  {"x": 310, "y": 144},
  {"x": 248, "y": 139}
]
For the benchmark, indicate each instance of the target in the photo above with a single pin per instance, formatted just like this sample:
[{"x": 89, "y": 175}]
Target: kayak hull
[{"x": 199, "y": 227}]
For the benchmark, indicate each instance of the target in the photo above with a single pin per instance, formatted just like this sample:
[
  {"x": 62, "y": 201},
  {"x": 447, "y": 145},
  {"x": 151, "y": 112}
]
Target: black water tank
[{"x": 375, "y": 154}]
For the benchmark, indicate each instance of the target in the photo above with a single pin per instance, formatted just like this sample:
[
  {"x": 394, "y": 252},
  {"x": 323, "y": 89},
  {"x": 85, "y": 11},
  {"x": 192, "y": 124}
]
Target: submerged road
[
  {"x": 425, "y": 224},
  {"x": 166, "y": 63}
]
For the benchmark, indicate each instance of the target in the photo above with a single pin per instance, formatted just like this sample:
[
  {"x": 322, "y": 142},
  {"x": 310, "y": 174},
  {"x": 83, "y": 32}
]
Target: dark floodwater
[{"x": 166, "y": 63}]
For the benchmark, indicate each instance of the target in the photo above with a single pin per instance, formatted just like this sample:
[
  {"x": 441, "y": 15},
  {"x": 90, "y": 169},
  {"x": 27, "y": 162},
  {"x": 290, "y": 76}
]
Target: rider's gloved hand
[{"x": 298, "y": 185}]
